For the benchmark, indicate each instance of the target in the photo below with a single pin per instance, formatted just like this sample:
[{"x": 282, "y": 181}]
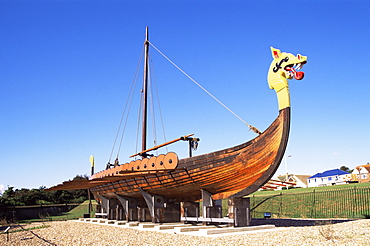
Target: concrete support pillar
[
  {"x": 211, "y": 208},
  {"x": 98, "y": 208},
  {"x": 118, "y": 209},
  {"x": 159, "y": 210},
  {"x": 104, "y": 205},
  {"x": 170, "y": 212},
  {"x": 129, "y": 208},
  {"x": 155, "y": 205},
  {"x": 190, "y": 209},
  {"x": 239, "y": 210},
  {"x": 144, "y": 214},
  {"x": 207, "y": 202}
]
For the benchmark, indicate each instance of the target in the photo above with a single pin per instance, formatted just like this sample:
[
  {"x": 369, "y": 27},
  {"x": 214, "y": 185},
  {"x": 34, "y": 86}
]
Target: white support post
[
  {"x": 104, "y": 205},
  {"x": 207, "y": 202}
]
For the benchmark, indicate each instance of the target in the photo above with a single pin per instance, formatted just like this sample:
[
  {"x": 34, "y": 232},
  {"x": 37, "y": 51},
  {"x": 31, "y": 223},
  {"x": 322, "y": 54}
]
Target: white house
[
  {"x": 330, "y": 177},
  {"x": 299, "y": 180},
  {"x": 362, "y": 173}
]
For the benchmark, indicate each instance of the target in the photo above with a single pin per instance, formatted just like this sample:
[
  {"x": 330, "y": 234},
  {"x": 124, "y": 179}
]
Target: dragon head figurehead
[{"x": 284, "y": 67}]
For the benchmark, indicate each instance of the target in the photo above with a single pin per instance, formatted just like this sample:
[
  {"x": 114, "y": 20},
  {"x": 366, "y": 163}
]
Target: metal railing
[{"x": 351, "y": 202}]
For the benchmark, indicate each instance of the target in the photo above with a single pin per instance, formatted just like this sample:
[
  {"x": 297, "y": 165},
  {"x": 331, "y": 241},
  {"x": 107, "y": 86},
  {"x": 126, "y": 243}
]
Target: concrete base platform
[
  {"x": 169, "y": 226},
  {"x": 120, "y": 222},
  {"x": 185, "y": 229},
  {"x": 194, "y": 228},
  {"x": 146, "y": 226},
  {"x": 132, "y": 224},
  {"x": 205, "y": 232}
]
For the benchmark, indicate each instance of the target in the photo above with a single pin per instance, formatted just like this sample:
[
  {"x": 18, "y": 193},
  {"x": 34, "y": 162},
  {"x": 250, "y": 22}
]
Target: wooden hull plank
[{"x": 237, "y": 171}]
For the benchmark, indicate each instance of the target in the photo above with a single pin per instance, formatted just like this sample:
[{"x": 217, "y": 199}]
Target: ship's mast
[{"x": 145, "y": 94}]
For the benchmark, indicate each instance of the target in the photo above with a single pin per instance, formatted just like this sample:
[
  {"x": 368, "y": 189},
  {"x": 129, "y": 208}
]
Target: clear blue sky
[{"x": 66, "y": 68}]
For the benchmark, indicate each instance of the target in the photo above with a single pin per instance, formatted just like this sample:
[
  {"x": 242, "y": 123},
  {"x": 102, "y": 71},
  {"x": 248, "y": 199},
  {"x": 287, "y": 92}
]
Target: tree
[
  {"x": 9, "y": 198},
  {"x": 26, "y": 197},
  {"x": 346, "y": 169}
]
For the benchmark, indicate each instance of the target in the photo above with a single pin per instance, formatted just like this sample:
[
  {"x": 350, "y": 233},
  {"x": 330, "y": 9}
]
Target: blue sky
[{"x": 66, "y": 68}]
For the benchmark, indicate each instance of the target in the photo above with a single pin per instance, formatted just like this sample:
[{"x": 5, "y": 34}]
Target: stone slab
[
  {"x": 168, "y": 227},
  {"x": 205, "y": 232},
  {"x": 193, "y": 228}
]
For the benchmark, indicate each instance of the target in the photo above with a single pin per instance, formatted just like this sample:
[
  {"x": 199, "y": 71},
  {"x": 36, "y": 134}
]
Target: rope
[
  {"x": 254, "y": 129},
  {"x": 138, "y": 121},
  {"x": 161, "y": 116},
  {"x": 154, "y": 88},
  {"x": 126, "y": 108},
  {"x": 151, "y": 104},
  {"x": 126, "y": 120}
]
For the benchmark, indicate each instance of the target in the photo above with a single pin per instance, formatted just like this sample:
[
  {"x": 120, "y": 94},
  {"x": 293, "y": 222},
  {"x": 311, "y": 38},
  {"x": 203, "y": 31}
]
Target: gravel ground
[{"x": 291, "y": 232}]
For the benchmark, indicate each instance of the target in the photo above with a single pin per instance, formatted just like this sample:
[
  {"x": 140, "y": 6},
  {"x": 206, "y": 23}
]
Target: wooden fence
[{"x": 15, "y": 213}]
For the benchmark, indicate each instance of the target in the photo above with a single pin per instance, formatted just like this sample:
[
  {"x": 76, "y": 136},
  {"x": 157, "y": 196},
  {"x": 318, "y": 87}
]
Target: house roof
[
  {"x": 329, "y": 173},
  {"x": 367, "y": 167},
  {"x": 302, "y": 178},
  {"x": 357, "y": 169}
]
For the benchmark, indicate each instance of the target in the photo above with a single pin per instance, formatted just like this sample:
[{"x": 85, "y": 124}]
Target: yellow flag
[{"x": 92, "y": 160}]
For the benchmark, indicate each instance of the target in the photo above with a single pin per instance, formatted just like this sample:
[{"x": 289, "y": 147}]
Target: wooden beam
[{"x": 162, "y": 145}]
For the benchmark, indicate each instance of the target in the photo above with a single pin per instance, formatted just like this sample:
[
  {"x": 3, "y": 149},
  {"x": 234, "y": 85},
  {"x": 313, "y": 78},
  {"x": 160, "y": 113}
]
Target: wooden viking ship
[{"x": 232, "y": 172}]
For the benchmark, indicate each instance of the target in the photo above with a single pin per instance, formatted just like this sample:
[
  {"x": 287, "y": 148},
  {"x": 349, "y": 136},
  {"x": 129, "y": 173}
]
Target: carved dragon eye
[{"x": 299, "y": 57}]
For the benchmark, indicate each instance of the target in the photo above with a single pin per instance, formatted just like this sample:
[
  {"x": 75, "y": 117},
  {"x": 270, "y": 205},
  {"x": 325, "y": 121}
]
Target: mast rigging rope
[
  {"x": 126, "y": 111},
  {"x": 154, "y": 83},
  {"x": 254, "y": 129},
  {"x": 154, "y": 95}
]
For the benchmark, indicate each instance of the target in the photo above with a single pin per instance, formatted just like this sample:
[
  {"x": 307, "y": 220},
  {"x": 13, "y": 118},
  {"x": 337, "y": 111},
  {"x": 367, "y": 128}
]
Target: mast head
[{"x": 146, "y": 34}]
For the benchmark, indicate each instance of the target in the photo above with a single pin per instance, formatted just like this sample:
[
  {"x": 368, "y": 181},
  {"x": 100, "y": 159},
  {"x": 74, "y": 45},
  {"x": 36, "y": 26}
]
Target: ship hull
[{"x": 232, "y": 172}]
